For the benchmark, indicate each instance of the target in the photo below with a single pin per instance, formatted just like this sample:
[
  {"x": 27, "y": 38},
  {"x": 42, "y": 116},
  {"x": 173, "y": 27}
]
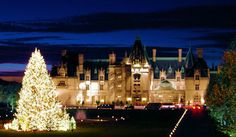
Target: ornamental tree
[
  {"x": 221, "y": 96},
  {"x": 38, "y": 107}
]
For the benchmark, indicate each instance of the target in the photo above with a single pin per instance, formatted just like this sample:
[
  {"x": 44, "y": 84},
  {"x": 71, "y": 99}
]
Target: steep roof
[
  {"x": 192, "y": 64},
  {"x": 138, "y": 52},
  {"x": 94, "y": 66},
  {"x": 189, "y": 62},
  {"x": 168, "y": 64}
]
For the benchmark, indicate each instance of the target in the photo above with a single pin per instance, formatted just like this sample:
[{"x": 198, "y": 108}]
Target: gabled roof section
[
  {"x": 189, "y": 62},
  {"x": 195, "y": 64},
  {"x": 138, "y": 53}
]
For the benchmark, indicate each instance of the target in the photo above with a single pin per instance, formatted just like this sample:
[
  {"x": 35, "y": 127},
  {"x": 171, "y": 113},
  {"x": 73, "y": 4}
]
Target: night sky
[{"x": 55, "y": 25}]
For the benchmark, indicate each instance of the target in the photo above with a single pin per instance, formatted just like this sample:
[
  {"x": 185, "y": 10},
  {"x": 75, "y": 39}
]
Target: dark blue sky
[
  {"x": 53, "y": 25},
  {"x": 48, "y": 9}
]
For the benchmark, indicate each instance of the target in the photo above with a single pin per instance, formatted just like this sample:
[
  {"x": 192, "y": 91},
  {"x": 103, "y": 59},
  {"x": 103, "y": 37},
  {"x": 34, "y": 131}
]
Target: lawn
[{"x": 137, "y": 123}]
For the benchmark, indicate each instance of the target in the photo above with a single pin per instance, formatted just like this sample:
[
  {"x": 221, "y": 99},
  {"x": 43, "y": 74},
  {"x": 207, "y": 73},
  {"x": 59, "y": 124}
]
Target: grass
[{"x": 138, "y": 123}]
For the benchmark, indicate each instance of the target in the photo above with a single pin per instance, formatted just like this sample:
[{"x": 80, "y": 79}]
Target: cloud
[
  {"x": 222, "y": 39},
  {"x": 190, "y": 17},
  {"x": 33, "y": 38}
]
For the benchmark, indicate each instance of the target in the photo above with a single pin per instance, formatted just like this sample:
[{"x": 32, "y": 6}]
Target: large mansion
[{"x": 137, "y": 79}]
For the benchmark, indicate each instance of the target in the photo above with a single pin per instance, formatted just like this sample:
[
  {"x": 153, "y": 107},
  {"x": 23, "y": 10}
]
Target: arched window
[{"x": 196, "y": 99}]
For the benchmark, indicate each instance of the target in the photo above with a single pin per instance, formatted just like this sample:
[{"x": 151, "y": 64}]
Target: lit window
[
  {"x": 196, "y": 87},
  {"x": 87, "y": 78},
  {"x": 101, "y": 87},
  {"x": 162, "y": 78},
  {"x": 101, "y": 78},
  {"x": 87, "y": 87},
  {"x": 62, "y": 83},
  {"x": 196, "y": 99},
  {"x": 178, "y": 78},
  {"x": 197, "y": 77}
]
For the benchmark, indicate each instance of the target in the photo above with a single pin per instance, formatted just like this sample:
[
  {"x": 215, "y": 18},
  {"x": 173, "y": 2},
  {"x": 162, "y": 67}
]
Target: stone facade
[{"x": 137, "y": 79}]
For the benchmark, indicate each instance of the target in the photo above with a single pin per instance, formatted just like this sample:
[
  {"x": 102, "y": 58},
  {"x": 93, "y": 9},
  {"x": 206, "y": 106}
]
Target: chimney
[
  {"x": 112, "y": 58},
  {"x": 154, "y": 55},
  {"x": 81, "y": 63},
  {"x": 179, "y": 55},
  {"x": 81, "y": 59},
  {"x": 199, "y": 52}
]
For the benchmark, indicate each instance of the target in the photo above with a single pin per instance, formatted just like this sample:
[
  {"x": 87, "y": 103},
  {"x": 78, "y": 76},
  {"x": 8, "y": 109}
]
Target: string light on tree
[{"x": 38, "y": 107}]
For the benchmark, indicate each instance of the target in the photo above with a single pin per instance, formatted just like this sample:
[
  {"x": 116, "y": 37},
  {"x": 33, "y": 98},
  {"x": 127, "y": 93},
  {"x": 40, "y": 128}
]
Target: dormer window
[
  {"x": 95, "y": 71},
  {"x": 101, "y": 87},
  {"x": 101, "y": 78},
  {"x": 156, "y": 70},
  {"x": 197, "y": 77},
  {"x": 162, "y": 78},
  {"x": 169, "y": 70},
  {"x": 182, "y": 69},
  {"x": 87, "y": 78},
  {"x": 178, "y": 79}
]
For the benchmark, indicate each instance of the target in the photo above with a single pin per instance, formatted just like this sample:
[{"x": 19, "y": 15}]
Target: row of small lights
[
  {"x": 177, "y": 124},
  {"x": 113, "y": 117}
]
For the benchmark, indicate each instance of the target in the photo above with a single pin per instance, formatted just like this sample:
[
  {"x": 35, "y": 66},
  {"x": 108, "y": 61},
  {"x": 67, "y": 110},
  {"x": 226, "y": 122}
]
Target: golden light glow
[
  {"x": 177, "y": 124},
  {"x": 129, "y": 99},
  {"x": 94, "y": 88},
  {"x": 136, "y": 65},
  {"x": 144, "y": 99},
  {"x": 82, "y": 86},
  {"x": 79, "y": 98},
  {"x": 202, "y": 100},
  {"x": 38, "y": 107}
]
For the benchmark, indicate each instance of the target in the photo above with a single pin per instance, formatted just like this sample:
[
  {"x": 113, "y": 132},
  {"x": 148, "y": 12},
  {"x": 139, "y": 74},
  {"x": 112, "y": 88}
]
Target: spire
[
  {"x": 138, "y": 53},
  {"x": 189, "y": 63}
]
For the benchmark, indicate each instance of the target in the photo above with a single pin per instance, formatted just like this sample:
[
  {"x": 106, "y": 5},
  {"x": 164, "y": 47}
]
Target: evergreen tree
[
  {"x": 221, "y": 96},
  {"x": 38, "y": 107}
]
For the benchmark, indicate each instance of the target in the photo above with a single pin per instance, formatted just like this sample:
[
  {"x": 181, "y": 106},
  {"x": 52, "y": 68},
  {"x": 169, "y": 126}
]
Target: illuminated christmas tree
[{"x": 38, "y": 107}]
